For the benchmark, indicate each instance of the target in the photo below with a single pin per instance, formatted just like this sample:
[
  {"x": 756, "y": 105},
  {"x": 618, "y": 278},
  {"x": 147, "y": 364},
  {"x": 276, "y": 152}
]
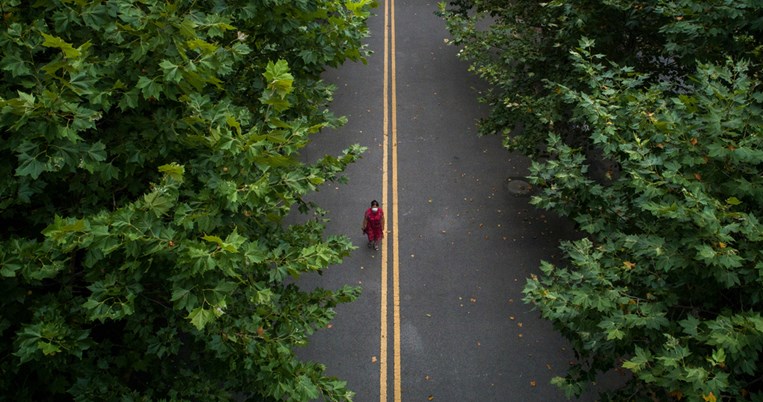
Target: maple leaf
[{"x": 709, "y": 397}]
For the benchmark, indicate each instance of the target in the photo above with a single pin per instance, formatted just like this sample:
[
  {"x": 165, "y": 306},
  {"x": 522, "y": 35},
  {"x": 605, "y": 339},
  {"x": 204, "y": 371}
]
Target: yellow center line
[
  {"x": 383, "y": 290},
  {"x": 395, "y": 227},
  {"x": 390, "y": 146}
]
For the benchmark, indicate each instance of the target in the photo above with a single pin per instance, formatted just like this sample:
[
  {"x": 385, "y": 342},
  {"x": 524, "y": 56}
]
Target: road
[{"x": 441, "y": 315}]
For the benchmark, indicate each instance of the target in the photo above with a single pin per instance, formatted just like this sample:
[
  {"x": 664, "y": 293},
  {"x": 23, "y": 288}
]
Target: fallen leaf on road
[
  {"x": 373, "y": 359},
  {"x": 533, "y": 383},
  {"x": 473, "y": 300},
  {"x": 520, "y": 335},
  {"x": 519, "y": 324},
  {"x": 512, "y": 318},
  {"x": 426, "y": 377},
  {"x": 430, "y": 397}
]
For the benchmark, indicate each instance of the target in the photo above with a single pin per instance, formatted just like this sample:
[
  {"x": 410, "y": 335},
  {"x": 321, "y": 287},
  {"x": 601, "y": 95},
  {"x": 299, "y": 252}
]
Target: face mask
[{"x": 374, "y": 209}]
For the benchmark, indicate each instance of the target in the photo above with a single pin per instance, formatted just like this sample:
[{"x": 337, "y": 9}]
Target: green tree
[
  {"x": 644, "y": 121},
  {"x": 149, "y": 155}
]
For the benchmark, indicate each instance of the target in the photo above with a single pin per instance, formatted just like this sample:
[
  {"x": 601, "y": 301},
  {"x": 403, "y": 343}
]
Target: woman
[{"x": 373, "y": 225}]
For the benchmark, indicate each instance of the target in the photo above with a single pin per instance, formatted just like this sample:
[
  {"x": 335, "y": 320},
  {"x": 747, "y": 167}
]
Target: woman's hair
[{"x": 374, "y": 203}]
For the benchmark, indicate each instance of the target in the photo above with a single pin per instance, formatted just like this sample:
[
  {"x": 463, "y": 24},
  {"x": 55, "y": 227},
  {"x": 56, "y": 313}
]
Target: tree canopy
[
  {"x": 148, "y": 157},
  {"x": 644, "y": 123}
]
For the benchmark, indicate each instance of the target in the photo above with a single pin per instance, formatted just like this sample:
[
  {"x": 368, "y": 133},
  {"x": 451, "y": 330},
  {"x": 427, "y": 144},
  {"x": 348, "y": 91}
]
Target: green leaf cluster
[
  {"x": 150, "y": 154},
  {"x": 644, "y": 123}
]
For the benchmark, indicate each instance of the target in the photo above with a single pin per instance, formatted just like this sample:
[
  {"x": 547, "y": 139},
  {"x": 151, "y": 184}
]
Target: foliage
[
  {"x": 668, "y": 277},
  {"x": 149, "y": 154},
  {"x": 644, "y": 121},
  {"x": 520, "y": 46}
]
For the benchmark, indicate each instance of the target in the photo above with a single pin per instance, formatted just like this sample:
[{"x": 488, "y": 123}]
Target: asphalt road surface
[{"x": 441, "y": 315}]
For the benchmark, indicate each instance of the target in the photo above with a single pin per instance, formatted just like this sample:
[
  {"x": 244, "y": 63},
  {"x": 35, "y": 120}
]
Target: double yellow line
[{"x": 390, "y": 147}]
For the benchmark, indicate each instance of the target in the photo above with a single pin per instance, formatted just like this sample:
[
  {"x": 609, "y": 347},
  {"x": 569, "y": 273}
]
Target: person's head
[{"x": 374, "y": 205}]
